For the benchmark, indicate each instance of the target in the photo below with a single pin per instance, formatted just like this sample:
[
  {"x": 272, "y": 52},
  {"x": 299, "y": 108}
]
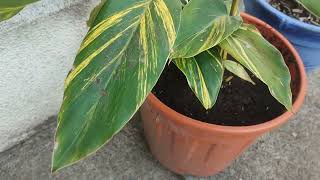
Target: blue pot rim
[{"x": 291, "y": 20}]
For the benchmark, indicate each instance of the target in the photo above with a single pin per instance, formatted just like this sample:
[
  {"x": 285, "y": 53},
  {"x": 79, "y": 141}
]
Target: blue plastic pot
[{"x": 305, "y": 37}]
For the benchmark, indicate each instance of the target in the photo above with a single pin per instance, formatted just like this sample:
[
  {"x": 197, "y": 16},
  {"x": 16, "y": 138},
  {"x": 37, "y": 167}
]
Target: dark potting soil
[
  {"x": 295, "y": 10},
  {"x": 239, "y": 103}
]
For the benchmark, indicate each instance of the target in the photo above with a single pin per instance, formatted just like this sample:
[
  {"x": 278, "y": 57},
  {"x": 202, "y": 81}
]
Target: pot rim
[
  {"x": 291, "y": 20},
  {"x": 192, "y": 123}
]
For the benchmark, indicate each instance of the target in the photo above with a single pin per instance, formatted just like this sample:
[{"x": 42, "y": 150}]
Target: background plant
[
  {"x": 9, "y": 8},
  {"x": 127, "y": 47},
  {"x": 312, "y": 6}
]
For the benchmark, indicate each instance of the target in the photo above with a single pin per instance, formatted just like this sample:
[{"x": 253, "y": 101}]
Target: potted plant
[
  {"x": 205, "y": 45},
  {"x": 298, "y": 20}
]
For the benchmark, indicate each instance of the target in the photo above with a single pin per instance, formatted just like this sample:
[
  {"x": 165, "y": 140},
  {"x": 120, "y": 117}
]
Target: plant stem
[
  {"x": 234, "y": 7},
  {"x": 233, "y": 12},
  {"x": 224, "y": 55}
]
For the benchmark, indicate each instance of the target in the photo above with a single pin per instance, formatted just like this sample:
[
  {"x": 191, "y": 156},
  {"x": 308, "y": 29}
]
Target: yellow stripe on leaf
[{"x": 164, "y": 13}]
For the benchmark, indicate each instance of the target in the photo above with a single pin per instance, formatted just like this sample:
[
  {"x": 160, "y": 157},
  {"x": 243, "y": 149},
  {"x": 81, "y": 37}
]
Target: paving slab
[{"x": 291, "y": 152}]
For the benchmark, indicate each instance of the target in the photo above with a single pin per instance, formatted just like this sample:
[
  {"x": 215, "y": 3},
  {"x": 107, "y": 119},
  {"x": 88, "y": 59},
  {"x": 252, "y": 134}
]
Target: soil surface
[
  {"x": 239, "y": 103},
  {"x": 295, "y": 10}
]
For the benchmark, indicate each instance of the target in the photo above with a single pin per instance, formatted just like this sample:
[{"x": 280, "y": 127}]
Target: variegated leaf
[
  {"x": 313, "y": 6},
  {"x": 9, "y": 8},
  {"x": 204, "y": 24},
  {"x": 228, "y": 4},
  {"x": 248, "y": 47},
  {"x": 94, "y": 13},
  {"x": 118, "y": 63},
  {"x": 204, "y": 74},
  {"x": 238, "y": 70}
]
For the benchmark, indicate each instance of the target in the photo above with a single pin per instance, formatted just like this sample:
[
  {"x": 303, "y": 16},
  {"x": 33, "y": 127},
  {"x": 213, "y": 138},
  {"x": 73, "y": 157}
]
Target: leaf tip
[
  {"x": 289, "y": 107},
  {"x": 54, "y": 169},
  {"x": 56, "y": 163}
]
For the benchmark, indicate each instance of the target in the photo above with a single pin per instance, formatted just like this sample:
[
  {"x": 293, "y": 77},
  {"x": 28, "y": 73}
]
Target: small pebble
[
  {"x": 297, "y": 11},
  {"x": 294, "y": 134}
]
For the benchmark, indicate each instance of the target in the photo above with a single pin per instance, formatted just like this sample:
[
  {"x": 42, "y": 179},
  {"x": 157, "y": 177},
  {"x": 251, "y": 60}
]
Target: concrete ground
[{"x": 290, "y": 153}]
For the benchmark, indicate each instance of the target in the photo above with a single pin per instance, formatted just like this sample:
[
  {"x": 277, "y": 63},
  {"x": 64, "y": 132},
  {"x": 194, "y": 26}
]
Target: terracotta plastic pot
[{"x": 188, "y": 146}]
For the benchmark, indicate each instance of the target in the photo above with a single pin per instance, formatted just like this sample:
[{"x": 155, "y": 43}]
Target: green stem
[
  {"x": 233, "y": 12},
  {"x": 234, "y": 7}
]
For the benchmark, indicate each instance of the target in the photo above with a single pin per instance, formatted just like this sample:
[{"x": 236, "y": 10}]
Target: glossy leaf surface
[
  {"x": 204, "y": 74},
  {"x": 248, "y": 47},
  {"x": 204, "y": 24},
  {"x": 118, "y": 63}
]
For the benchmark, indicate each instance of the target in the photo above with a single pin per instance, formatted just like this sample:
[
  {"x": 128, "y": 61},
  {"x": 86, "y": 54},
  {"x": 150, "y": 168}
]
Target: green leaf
[
  {"x": 118, "y": 63},
  {"x": 204, "y": 74},
  {"x": 204, "y": 24},
  {"x": 237, "y": 70},
  {"x": 94, "y": 13},
  {"x": 263, "y": 60},
  {"x": 313, "y": 6},
  {"x": 9, "y": 8},
  {"x": 7, "y": 13},
  {"x": 228, "y": 4}
]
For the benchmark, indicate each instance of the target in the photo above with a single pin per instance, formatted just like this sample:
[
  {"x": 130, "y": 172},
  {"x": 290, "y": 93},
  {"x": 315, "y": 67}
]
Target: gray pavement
[{"x": 289, "y": 153}]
